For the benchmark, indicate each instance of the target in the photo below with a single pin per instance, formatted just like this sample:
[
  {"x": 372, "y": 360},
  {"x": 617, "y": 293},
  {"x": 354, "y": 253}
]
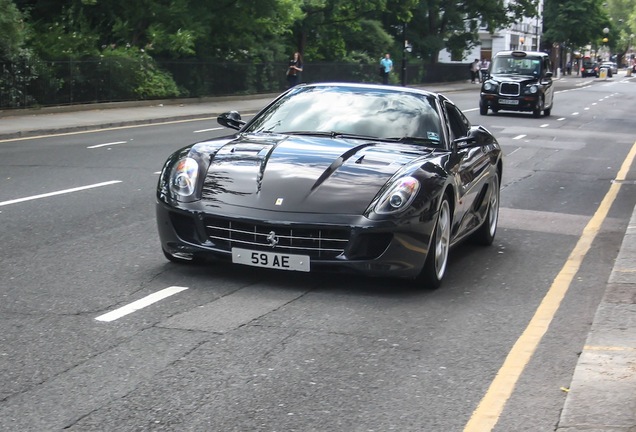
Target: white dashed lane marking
[
  {"x": 106, "y": 144},
  {"x": 140, "y": 304},
  {"x": 65, "y": 191}
]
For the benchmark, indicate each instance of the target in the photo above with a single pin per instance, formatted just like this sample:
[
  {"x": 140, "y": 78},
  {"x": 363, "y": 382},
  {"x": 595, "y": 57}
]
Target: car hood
[{"x": 302, "y": 173}]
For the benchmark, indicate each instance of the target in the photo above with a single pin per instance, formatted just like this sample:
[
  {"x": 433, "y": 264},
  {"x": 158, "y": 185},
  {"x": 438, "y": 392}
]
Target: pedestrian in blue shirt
[{"x": 387, "y": 64}]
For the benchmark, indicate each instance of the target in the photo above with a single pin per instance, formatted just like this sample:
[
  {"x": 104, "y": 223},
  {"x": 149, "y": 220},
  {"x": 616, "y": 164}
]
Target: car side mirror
[
  {"x": 231, "y": 119},
  {"x": 548, "y": 74},
  {"x": 477, "y": 136}
]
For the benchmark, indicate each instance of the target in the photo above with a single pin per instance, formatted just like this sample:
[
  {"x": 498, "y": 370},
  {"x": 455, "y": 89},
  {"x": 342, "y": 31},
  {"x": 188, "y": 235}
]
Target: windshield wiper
[
  {"x": 331, "y": 134},
  {"x": 415, "y": 140}
]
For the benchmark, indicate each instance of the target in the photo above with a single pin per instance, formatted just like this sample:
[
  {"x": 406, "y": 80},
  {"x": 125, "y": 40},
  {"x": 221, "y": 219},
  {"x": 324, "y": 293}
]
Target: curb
[{"x": 129, "y": 104}]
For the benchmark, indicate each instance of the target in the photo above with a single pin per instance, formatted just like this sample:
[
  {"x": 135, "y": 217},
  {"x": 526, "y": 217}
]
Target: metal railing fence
[{"x": 68, "y": 82}]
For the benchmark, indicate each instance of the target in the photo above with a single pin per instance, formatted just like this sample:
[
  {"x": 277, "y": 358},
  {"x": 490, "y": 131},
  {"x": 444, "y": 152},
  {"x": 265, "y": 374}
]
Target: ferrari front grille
[
  {"x": 317, "y": 242},
  {"x": 509, "y": 89}
]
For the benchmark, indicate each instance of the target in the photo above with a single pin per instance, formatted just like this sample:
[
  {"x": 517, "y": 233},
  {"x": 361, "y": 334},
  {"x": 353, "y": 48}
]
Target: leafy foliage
[
  {"x": 445, "y": 24},
  {"x": 622, "y": 16},
  {"x": 13, "y": 30},
  {"x": 134, "y": 74},
  {"x": 574, "y": 22}
]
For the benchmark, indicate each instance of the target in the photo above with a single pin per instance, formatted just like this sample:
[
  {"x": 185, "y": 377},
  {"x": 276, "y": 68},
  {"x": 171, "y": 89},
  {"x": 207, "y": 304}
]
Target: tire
[
  {"x": 536, "y": 112},
  {"x": 437, "y": 256},
  {"x": 485, "y": 234},
  {"x": 547, "y": 112},
  {"x": 483, "y": 108}
]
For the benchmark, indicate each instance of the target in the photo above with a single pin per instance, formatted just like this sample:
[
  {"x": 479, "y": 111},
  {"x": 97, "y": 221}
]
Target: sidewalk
[{"x": 602, "y": 395}]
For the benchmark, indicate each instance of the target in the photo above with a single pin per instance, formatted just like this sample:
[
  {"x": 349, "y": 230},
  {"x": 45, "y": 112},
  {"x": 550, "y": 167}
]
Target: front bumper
[
  {"x": 373, "y": 248},
  {"x": 510, "y": 103}
]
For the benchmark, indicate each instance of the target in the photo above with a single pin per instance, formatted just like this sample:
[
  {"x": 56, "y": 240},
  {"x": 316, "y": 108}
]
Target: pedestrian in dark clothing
[
  {"x": 474, "y": 71},
  {"x": 294, "y": 70}
]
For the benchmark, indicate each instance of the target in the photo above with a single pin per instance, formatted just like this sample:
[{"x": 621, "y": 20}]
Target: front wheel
[
  {"x": 547, "y": 111},
  {"x": 536, "y": 112},
  {"x": 483, "y": 108},
  {"x": 437, "y": 256}
]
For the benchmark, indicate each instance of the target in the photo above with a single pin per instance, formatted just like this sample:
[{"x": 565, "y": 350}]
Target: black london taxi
[{"x": 518, "y": 81}]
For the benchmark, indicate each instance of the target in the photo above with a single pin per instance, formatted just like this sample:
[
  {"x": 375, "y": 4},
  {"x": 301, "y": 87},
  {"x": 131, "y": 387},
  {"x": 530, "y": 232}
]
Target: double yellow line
[{"x": 487, "y": 414}]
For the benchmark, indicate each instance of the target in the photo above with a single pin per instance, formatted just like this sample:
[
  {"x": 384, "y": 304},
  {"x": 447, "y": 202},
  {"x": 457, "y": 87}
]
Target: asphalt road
[{"x": 240, "y": 349}]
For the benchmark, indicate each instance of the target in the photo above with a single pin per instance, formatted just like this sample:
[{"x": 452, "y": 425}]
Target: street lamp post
[
  {"x": 404, "y": 43},
  {"x": 606, "y": 40},
  {"x": 631, "y": 54}
]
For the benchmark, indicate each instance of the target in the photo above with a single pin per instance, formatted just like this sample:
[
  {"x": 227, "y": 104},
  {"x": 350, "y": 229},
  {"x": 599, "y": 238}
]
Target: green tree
[
  {"x": 622, "y": 16},
  {"x": 340, "y": 30},
  {"x": 13, "y": 30},
  {"x": 227, "y": 29},
  {"x": 17, "y": 66},
  {"x": 246, "y": 30},
  {"x": 575, "y": 23},
  {"x": 451, "y": 25}
]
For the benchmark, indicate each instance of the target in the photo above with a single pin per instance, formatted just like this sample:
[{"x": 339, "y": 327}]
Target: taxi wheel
[
  {"x": 483, "y": 108},
  {"x": 536, "y": 112},
  {"x": 547, "y": 111}
]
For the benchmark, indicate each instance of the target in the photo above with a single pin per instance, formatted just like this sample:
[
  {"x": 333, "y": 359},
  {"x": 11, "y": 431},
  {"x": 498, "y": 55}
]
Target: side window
[{"x": 459, "y": 124}]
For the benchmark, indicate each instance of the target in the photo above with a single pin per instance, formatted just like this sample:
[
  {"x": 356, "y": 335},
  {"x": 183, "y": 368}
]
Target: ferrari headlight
[
  {"x": 183, "y": 178},
  {"x": 399, "y": 196}
]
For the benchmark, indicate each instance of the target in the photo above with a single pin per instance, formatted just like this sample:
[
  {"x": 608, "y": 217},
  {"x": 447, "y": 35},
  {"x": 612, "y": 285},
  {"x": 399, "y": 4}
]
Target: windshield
[
  {"x": 377, "y": 113},
  {"x": 516, "y": 66}
]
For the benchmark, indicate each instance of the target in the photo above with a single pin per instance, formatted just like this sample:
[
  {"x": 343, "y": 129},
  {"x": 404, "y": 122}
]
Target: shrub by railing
[{"x": 113, "y": 79}]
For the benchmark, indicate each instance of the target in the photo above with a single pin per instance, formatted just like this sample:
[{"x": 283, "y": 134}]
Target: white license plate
[
  {"x": 274, "y": 260},
  {"x": 508, "y": 102}
]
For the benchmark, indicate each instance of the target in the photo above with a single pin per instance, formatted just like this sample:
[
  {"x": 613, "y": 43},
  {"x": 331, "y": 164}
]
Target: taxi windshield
[{"x": 516, "y": 66}]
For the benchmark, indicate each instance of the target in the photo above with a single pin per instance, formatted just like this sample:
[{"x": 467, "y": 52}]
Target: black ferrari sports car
[{"x": 380, "y": 180}]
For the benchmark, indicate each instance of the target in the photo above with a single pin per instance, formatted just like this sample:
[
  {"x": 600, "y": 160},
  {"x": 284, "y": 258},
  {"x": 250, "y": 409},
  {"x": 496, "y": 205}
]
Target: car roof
[
  {"x": 362, "y": 86},
  {"x": 527, "y": 53}
]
